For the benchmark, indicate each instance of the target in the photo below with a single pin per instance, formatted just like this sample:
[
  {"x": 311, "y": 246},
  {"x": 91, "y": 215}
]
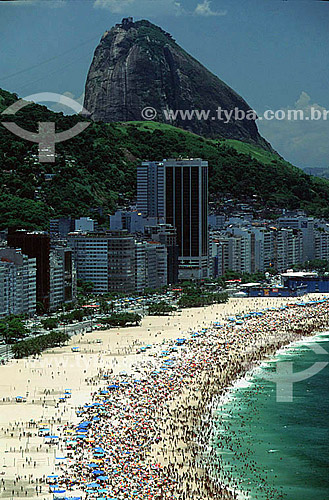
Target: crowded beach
[{"x": 128, "y": 418}]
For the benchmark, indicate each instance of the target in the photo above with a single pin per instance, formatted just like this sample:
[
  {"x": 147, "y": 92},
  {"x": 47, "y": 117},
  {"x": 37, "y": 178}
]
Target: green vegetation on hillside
[{"x": 97, "y": 169}]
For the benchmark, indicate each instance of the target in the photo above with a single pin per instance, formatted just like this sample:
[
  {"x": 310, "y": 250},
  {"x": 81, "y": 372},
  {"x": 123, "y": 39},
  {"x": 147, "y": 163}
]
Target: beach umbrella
[
  {"x": 98, "y": 449},
  {"x": 92, "y": 485}
]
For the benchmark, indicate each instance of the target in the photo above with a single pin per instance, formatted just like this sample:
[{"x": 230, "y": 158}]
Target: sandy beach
[{"x": 26, "y": 459}]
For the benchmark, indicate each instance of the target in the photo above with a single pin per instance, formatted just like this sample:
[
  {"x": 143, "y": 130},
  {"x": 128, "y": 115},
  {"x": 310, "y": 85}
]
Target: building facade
[
  {"x": 35, "y": 245},
  {"x": 17, "y": 283},
  {"x": 106, "y": 260}
]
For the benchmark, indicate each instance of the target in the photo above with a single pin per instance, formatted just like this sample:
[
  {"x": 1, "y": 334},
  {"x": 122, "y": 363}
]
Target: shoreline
[
  {"x": 251, "y": 379},
  {"x": 122, "y": 352},
  {"x": 219, "y": 488}
]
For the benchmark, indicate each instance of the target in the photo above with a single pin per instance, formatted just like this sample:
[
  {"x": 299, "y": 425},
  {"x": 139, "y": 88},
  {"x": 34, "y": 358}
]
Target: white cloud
[
  {"x": 141, "y": 7},
  {"x": 115, "y": 6},
  {"x": 204, "y": 9},
  {"x": 302, "y": 142}
]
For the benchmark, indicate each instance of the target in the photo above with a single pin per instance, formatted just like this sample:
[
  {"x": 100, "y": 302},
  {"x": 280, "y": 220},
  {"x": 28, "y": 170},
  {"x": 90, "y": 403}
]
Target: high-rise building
[
  {"x": 105, "y": 259},
  {"x": 151, "y": 189},
  {"x": 167, "y": 235},
  {"x": 36, "y": 245},
  {"x": 307, "y": 227},
  {"x": 62, "y": 275},
  {"x": 17, "y": 282},
  {"x": 151, "y": 265},
  {"x": 177, "y": 190},
  {"x": 322, "y": 245},
  {"x": 186, "y": 208}
]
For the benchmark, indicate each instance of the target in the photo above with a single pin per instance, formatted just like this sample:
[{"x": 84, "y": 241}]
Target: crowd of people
[{"x": 146, "y": 434}]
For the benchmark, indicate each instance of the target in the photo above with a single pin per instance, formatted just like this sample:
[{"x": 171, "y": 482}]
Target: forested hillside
[{"x": 97, "y": 169}]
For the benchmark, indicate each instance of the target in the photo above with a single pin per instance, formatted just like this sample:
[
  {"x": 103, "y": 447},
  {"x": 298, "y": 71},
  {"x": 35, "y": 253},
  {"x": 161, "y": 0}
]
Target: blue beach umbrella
[{"x": 92, "y": 485}]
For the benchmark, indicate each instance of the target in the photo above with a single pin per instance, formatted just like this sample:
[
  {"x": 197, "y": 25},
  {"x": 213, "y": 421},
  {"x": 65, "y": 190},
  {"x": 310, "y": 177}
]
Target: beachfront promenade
[{"x": 126, "y": 425}]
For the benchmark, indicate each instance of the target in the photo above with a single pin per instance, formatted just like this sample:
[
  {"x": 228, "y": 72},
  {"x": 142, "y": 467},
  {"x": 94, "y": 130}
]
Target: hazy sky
[{"x": 272, "y": 52}]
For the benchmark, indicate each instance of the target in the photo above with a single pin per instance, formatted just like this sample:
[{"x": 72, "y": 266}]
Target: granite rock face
[{"x": 138, "y": 65}]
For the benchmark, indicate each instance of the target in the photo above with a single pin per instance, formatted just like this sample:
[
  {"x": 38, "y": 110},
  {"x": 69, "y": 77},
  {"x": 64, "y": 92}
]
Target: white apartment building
[{"x": 17, "y": 283}]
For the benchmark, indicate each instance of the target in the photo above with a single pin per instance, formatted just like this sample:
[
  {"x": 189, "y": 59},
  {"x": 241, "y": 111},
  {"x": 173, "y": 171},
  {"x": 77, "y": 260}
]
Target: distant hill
[
  {"x": 138, "y": 65},
  {"x": 97, "y": 169},
  {"x": 317, "y": 171}
]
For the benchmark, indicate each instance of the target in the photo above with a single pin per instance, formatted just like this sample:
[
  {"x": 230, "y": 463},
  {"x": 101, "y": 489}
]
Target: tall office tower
[
  {"x": 186, "y": 208},
  {"x": 36, "y": 245},
  {"x": 151, "y": 189}
]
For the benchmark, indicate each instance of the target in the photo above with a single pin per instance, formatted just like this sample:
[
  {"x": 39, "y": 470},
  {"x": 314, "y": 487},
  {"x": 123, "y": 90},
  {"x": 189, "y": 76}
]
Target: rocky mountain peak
[{"x": 139, "y": 65}]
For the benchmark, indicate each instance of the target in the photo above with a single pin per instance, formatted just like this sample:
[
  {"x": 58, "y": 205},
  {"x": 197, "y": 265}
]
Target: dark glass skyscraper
[
  {"x": 177, "y": 191},
  {"x": 186, "y": 208}
]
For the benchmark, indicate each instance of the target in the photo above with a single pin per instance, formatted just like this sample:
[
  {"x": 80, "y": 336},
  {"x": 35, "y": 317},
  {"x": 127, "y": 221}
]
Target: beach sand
[{"x": 25, "y": 459}]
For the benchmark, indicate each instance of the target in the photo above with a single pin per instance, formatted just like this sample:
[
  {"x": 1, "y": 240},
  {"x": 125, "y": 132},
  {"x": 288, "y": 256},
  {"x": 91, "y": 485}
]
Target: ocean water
[{"x": 277, "y": 450}]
